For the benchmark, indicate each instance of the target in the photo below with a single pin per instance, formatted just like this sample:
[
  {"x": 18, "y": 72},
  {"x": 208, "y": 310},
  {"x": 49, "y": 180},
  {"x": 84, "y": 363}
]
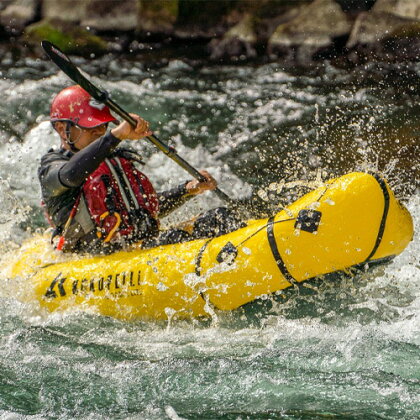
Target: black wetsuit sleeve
[
  {"x": 172, "y": 199},
  {"x": 75, "y": 171}
]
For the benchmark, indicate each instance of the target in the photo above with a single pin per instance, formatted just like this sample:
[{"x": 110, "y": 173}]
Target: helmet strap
[{"x": 68, "y": 140}]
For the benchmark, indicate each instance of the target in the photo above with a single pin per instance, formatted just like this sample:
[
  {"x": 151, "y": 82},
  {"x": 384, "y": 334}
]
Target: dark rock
[
  {"x": 356, "y": 6},
  {"x": 111, "y": 15},
  {"x": 271, "y": 13},
  {"x": 238, "y": 43},
  {"x": 373, "y": 27},
  {"x": 300, "y": 32},
  {"x": 203, "y": 19},
  {"x": 382, "y": 36},
  {"x": 310, "y": 32},
  {"x": 390, "y": 32},
  {"x": 157, "y": 17},
  {"x": 5, "y": 3},
  {"x": 255, "y": 23},
  {"x": 403, "y": 8},
  {"x": 231, "y": 49},
  {"x": 17, "y": 14},
  {"x": 65, "y": 10}
]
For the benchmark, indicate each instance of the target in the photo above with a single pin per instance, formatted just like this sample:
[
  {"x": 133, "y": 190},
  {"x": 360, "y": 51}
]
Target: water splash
[
  {"x": 12, "y": 212},
  {"x": 346, "y": 349}
]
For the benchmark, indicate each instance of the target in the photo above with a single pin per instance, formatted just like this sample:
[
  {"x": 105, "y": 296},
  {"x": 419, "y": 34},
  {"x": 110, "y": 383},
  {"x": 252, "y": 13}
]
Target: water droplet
[
  {"x": 161, "y": 287},
  {"x": 246, "y": 251}
]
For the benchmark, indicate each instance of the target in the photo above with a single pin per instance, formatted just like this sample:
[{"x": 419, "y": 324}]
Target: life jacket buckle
[{"x": 111, "y": 233}]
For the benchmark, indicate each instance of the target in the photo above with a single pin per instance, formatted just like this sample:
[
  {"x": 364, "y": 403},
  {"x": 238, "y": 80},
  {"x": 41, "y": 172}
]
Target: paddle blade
[{"x": 64, "y": 63}]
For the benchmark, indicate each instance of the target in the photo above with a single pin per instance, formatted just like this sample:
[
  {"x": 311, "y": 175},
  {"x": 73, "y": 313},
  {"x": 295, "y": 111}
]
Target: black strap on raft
[
  {"x": 198, "y": 271},
  {"x": 227, "y": 254},
  {"x": 308, "y": 220},
  {"x": 385, "y": 192},
  {"x": 200, "y": 256},
  {"x": 276, "y": 254}
]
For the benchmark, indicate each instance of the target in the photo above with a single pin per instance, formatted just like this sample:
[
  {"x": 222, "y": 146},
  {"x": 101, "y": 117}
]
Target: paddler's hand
[
  {"x": 126, "y": 131},
  {"x": 196, "y": 187}
]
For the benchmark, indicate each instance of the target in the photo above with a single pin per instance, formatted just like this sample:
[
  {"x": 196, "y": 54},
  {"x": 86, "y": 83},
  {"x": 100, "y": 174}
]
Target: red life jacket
[{"x": 116, "y": 194}]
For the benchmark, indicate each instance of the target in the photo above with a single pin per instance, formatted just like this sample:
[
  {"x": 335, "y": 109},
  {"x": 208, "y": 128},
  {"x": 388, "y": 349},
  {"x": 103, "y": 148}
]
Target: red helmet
[{"x": 75, "y": 105}]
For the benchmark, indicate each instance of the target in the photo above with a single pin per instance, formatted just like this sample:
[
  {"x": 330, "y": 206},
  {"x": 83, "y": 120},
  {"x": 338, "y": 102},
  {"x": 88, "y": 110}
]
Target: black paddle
[{"x": 65, "y": 64}]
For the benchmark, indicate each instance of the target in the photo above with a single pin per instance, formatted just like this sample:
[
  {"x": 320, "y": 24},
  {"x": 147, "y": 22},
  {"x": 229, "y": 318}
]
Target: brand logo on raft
[{"x": 115, "y": 284}]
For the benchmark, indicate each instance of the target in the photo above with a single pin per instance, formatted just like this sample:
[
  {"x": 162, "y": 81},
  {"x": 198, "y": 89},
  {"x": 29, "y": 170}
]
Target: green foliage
[
  {"x": 70, "y": 39},
  {"x": 160, "y": 7}
]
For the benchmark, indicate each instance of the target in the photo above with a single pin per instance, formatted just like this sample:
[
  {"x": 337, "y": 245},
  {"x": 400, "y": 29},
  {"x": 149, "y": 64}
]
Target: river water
[{"x": 344, "y": 350}]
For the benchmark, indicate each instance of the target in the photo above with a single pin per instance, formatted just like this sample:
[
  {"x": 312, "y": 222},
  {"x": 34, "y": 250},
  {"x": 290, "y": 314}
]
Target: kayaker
[{"x": 93, "y": 194}]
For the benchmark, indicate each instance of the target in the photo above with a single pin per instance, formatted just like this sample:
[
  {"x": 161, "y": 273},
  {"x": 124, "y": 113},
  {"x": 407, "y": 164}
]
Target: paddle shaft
[{"x": 163, "y": 147}]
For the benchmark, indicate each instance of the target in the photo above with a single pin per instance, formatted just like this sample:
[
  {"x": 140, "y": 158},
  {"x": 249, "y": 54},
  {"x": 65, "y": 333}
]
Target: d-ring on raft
[{"x": 351, "y": 220}]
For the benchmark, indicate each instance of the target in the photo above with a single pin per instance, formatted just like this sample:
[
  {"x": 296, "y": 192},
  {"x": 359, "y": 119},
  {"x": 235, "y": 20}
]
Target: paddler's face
[
  {"x": 81, "y": 137},
  {"x": 85, "y": 136}
]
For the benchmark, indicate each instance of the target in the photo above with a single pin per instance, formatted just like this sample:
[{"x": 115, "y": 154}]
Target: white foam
[{"x": 20, "y": 162}]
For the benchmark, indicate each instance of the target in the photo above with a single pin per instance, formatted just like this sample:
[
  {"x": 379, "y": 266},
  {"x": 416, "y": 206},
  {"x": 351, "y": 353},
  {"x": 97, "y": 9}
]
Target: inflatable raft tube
[{"x": 352, "y": 220}]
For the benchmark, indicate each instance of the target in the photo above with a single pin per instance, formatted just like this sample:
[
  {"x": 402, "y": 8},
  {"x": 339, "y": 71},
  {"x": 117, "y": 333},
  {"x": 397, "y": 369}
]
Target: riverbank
[{"x": 292, "y": 33}]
